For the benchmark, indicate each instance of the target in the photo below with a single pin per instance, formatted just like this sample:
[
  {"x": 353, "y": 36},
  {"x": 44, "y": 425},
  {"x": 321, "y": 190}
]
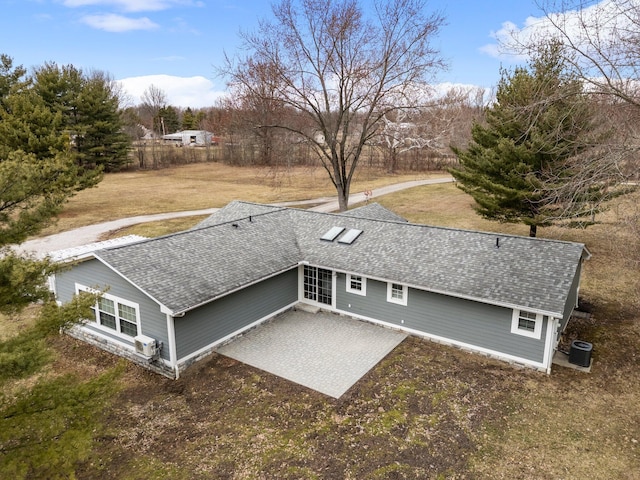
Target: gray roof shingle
[
  {"x": 188, "y": 269},
  {"x": 374, "y": 211},
  {"x": 235, "y": 210}
]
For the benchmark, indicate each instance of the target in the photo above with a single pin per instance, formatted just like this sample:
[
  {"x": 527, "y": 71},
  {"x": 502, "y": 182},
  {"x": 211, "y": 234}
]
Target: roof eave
[
  {"x": 182, "y": 311},
  {"x": 163, "y": 308},
  {"x": 512, "y": 306}
]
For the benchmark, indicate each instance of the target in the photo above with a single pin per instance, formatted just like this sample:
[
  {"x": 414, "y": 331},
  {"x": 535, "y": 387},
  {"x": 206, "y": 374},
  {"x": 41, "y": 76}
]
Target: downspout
[
  {"x": 550, "y": 342},
  {"x": 173, "y": 353}
]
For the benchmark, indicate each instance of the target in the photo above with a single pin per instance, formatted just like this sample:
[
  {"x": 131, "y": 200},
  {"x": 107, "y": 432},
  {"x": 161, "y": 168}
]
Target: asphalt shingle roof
[
  {"x": 234, "y": 211},
  {"x": 187, "y": 269},
  {"x": 374, "y": 211},
  {"x": 184, "y": 270}
]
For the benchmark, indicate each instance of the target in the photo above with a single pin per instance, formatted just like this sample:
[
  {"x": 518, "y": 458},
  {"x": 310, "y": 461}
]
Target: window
[
  {"x": 397, "y": 293},
  {"x": 356, "y": 284},
  {"x": 115, "y": 313},
  {"x": 526, "y": 323}
]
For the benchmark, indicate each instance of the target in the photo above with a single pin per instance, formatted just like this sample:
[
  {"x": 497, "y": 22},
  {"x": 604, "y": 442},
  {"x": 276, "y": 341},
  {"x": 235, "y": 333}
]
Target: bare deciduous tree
[
  {"x": 338, "y": 66},
  {"x": 153, "y": 100},
  {"x": 602, "y": 41},
  {"x": 259, "y": 106},
  {"x": 428, "y": 127}
]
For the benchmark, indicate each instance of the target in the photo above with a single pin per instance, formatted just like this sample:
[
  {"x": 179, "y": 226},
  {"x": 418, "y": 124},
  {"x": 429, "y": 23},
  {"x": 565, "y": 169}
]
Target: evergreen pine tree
[
  {"x": 532, "y": 143},
  {"x": 189, "y": 120},
  {"x": 48, "y": 422},
  {"x": 167, "y": 120},
  {"x": 89, "y": 105},
  {"x": 38, "y": 171},
  {"x": 105, "y": 142}
]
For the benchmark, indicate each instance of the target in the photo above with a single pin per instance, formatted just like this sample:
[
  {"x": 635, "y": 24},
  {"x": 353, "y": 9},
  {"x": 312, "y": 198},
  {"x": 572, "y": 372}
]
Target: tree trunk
[
  {"x": 533, "y": 230},
  {"x": 343, "y": 198}
]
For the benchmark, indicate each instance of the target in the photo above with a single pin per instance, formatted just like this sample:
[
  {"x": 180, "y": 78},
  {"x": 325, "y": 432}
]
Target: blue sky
[{"x": 176, "y": 44}]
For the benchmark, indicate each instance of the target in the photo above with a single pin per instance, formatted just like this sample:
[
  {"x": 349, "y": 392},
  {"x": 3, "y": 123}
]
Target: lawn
[
  {"x": 205, "y": 185},
  {"x": 426, "y": 411}
]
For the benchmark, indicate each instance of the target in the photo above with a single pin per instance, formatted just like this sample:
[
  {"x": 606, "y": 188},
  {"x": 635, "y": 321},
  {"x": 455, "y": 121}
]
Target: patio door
[{"x": 318, "y": 284}]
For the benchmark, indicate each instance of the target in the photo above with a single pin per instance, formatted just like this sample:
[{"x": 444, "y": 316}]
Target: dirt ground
[
  {"x": 426, "y": 411},
  {"x": 420, "y": 413}
]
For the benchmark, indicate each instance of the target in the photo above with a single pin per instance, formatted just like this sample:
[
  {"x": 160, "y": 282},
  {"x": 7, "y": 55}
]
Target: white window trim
[
  {"x": 399, "y": 301},
  {"x": 537, "y": 331},
  {"x": 363, "y": 283},
  {"x": 95, "y": 321}
]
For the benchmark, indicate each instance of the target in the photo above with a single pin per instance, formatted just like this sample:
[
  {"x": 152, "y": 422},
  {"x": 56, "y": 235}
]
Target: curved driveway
[{"x": 92, "y": 233}]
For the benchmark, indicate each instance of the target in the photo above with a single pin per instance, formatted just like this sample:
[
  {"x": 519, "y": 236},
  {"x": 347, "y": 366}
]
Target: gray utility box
[{"x": 580, "y": 353}]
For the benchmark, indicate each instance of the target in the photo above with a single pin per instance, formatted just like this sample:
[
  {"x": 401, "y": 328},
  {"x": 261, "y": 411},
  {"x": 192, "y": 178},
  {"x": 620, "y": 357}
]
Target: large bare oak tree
[{"x": 340, "y": 69}]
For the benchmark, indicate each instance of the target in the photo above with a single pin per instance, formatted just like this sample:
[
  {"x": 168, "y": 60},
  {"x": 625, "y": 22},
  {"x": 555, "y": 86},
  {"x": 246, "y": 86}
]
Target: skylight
[
  {"x": 331, "y": 235},
  {"x": 350, "y": 236}
]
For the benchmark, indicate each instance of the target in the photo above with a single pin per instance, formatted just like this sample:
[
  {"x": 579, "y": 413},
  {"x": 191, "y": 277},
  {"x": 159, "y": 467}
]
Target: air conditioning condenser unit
[{"x": 145, "y": 346}]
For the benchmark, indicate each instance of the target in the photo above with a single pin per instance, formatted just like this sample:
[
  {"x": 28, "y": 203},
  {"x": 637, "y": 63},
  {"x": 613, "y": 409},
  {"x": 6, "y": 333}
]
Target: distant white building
[{"x": 188, "y": 138}]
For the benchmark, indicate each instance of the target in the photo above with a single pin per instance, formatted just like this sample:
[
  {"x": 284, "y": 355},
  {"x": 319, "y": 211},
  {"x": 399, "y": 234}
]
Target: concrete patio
[{"x": 326, "y": 352}]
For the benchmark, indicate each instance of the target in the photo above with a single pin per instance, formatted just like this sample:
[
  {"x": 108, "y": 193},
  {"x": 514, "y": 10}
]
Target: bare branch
[{"x": 340, "y": 69}]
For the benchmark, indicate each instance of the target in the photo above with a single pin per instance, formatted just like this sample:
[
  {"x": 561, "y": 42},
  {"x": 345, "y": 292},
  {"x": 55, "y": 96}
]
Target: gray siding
[
  {"x": 94, "y": 274},
  {"x": 466, "y": 321},
  {"x": 211, "y": 322},
  {"x": 571, "y": 300}
]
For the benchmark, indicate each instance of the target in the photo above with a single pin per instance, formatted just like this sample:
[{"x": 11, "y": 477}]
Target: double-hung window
[
  {"x": 528, "y": 324},
  {"x": 397, "y": 293},
  {"x": 356, "y": 284},
  {"x": 114, "y": 313}
]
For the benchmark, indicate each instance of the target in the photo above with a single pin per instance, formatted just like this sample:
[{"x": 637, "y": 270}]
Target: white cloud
[
  {"x": 601, "y": 20},
  {"x": 117, "y": 23},
  {"x": 194, "y": 92},
  {"x": 134, "y": 5}
]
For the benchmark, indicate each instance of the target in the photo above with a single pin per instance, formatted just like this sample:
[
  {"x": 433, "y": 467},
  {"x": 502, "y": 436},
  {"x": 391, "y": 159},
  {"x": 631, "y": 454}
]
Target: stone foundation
[{"x": 155, "y": 365}]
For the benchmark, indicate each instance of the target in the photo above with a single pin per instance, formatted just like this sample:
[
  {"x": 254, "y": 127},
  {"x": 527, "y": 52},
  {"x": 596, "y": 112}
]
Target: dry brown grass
[
  {"x": 11, "y": 325},
  {"x": 569, "y": 425},
  {"x": 444, "y": 205},
  {"x": 156, "y": 229},
  {"x": 204, "y": 185},
  {"x": 427, "y": 411}
]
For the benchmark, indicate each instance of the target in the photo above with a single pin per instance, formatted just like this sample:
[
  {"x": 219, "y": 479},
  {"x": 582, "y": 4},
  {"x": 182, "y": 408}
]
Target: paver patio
[{"x": 323, "y": 351}]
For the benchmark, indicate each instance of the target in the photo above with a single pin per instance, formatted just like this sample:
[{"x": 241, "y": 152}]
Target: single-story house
[
  {"x": 187, "y": 138},
  {"x": 172, "y": 300}
]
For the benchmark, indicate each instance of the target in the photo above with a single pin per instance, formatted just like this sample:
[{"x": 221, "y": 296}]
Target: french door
[{"x": 318, "y": 284}]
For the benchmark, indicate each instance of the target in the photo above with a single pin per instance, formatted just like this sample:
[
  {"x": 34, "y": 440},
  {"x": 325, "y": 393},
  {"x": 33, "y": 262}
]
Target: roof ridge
[
  {"x": 438, "y": 227},
  {"x": 277, "y": 209},
  {"x": 192, "y": 230},
  {"x": 285, "y": 235}
]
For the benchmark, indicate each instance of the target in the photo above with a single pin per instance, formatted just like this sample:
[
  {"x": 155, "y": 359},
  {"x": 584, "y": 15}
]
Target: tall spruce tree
[
  {"x": 167, "y": 120},
  {"x": 48, "y": 422},
  {"x": 534, "y": 143},
  {"x": 89, "y": 105},
  {"x": 38, "y": 171}
]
